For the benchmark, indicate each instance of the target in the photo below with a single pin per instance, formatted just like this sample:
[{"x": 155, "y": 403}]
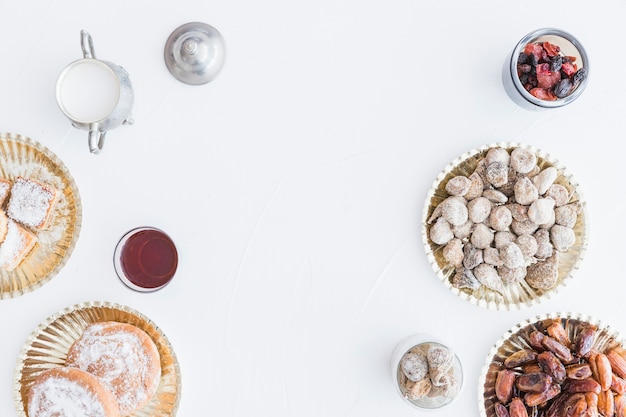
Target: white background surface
[{"x": 294, "y": 183}]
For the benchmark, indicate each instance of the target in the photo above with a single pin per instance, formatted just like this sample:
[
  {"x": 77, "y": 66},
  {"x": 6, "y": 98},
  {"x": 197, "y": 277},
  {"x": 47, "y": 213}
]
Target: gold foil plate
[
  {"x": 520, "y": 294},
  {"x": 21, "y": 156},
  {"x": 516, "y": 339},
  {"x": 49, "y": 343}
]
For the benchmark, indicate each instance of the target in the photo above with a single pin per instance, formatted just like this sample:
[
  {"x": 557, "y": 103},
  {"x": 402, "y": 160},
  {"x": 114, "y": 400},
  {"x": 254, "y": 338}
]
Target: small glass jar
[
  {"x": 569, "y": 47},
  {"x": 426, "y": 372}
]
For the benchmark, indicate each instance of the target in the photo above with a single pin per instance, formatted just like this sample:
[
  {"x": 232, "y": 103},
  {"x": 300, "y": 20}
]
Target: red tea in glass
[{"x": 145, "y": 259}]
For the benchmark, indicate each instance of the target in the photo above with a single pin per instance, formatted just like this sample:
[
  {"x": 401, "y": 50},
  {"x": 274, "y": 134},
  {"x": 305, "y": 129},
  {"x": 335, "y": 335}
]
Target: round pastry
[
  {"x": 123, "y": 357},
  {"x": 65, "y": 392}
]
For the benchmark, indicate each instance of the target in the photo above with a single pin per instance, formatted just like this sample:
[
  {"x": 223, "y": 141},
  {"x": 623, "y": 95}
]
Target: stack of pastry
[
  {"x": 112, "y": 370},
  {"x": 28, "y": 207}
]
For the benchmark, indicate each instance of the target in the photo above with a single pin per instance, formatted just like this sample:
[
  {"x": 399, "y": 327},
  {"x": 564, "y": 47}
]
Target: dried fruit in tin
[{"x": 548, "y": 74}]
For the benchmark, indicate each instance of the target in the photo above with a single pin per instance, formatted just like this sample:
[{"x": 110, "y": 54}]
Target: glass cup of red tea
[
  {"x": 145, "y": 259},
  {"x": 548, "y": 68}
]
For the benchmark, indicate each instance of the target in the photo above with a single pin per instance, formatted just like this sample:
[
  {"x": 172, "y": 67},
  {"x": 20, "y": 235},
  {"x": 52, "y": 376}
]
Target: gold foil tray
[
  {"x": 517, "y": 295},
  {"x": 516, "y": 339},
  {"x": 21, "y": 156},
  {"x": 49, "y": 343}
]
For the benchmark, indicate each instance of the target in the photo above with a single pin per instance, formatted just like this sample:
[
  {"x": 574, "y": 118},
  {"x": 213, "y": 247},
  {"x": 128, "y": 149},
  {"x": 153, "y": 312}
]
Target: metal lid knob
[{"x": 195, "y": 53}]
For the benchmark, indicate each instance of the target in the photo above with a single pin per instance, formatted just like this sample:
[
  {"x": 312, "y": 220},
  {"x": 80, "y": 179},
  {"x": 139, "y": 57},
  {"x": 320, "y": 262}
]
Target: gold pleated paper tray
[
  {"x": 512, "y": 294},
  {"x": 22, "y": 156},
  {"x": 48, "y": 345},
  {"x": 517, "y": 339}
]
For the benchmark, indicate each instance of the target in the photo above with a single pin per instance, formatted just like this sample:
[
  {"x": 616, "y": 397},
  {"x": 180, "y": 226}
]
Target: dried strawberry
[
  {"x": 546, "y": 78},
  {"x": 551, "y": 49},
  {"x": 543, "y": 94},
  {"x": 569, "y": 68},
  {"x": 534, "y": 49}
]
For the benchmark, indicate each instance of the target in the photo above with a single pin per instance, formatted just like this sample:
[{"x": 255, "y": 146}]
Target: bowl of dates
[
  {"x": 548, "y": 68},
  {"x": 558, "y": 364},
  {"x": 504, "y": 226}
]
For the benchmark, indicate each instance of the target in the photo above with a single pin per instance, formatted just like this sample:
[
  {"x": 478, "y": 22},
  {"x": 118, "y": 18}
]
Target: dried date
[
  {"x": 583, "y": 385},
  {"x": 585, "y": 340},
  {"x": 560, "y": 351},
  {"x": 606, "y": 404},
  {"x": 557, "y": 332},
  {"x": 500, "y": 410},
  {"x": 535, "y": 338},
  {"x": 592, "y": 404},
  {"x": 536, "y": 398},
  {"x": 531, "y": 368},
  {"x": 505, "y": 382},
  {"x": 517, "y": 408},
  {"x": 573, "y": 406},
  {"x": 604, "y": 373},
  {"x": 519, "y": 358},
  {"x": 535, "y": 382},
  {"x": 618, "y": 384},
  {"x": 619, "y": 403},
  {"x": 552, "y": 366},
  {"x": 618, "y": 363},
  {"x": 578, "y": 371}
]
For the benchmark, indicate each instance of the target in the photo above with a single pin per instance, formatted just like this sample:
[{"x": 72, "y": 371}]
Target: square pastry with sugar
[
  {"x": 5, "y": 187},
  {"x": 32, "y": 203},
  {"x": 17, "y": 244}
]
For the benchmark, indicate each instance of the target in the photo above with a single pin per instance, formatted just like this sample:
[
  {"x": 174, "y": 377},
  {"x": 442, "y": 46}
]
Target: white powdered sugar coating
[
  {"x": 119, "y": 361},
  {"x": 29, "y": 202},
  {"x": 61, "y": 397},
  {"x": 4, "y": 190},
  {"x": 12, "y": 245}
]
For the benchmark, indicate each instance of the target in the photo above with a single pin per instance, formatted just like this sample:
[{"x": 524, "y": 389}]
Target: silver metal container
[
  {"x": 195, "y": 53},
  {"x": 569, "y": 45},
  {"x": 80, "y": 85}
]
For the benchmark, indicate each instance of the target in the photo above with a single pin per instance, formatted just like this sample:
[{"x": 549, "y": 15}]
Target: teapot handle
[
  {"x": 86, "y": 44},
  {"x": 95, "y": 138}
]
